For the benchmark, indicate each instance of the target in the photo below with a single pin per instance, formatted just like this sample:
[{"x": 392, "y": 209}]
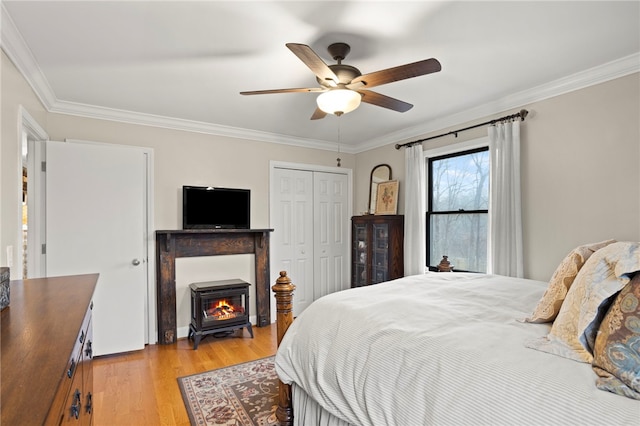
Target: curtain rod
[{"x": 521, "y": 115}]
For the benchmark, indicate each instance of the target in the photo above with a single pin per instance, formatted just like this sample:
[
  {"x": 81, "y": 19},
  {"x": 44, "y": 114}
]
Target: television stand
[{"x": 207, "y": 242}]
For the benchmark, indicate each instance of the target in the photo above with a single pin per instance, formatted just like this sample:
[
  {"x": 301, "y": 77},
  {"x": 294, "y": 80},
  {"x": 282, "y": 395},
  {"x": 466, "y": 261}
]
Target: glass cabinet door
[
  {"x": 360, "y": 255},
  {"x": 377, "y": 252},
  {"x": 380, "y": 245}
]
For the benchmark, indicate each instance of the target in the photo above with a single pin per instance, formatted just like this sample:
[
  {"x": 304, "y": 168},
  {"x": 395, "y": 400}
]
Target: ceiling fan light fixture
[
  {"x": 342, "y": 85},
  {"x": 339, "y": 101}
]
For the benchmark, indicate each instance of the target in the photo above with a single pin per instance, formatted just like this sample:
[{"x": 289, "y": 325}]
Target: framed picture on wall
[{"x": 387, "y": 197}]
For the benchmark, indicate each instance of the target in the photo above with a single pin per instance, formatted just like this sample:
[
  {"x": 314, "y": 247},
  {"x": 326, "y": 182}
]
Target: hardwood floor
[{"x": 140, "y": 388}]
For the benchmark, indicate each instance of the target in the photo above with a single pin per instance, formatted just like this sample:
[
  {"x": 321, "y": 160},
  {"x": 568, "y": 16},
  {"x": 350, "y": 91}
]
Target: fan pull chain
[{"x": 339, "y": 138}]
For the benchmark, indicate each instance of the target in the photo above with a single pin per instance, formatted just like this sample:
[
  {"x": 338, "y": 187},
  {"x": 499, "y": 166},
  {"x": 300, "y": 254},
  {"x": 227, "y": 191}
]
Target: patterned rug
[{"x": 241, "y": 395}]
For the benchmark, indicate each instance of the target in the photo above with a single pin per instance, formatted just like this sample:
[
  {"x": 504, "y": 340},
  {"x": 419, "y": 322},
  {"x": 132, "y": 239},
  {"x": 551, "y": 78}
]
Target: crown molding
[
  {"x": 137, "y": 118},
  {"x": 600, "y": 74},
  {"x": 17, "y": 50}
]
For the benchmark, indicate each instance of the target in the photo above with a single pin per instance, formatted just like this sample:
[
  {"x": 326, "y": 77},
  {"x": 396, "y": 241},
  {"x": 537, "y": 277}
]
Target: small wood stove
[{"x": 218, "y": 307}]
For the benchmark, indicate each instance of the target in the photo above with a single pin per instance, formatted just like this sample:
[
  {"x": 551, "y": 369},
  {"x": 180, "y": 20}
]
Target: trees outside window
[{"x": 458, "y": 209}]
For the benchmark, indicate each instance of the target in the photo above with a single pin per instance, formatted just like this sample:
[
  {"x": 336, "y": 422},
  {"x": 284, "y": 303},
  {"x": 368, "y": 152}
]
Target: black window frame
[{"x": 429, "y": 211}]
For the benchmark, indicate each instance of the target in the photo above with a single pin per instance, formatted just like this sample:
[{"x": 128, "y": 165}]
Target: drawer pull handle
[
  {"x": 75, "y": 407},
  {"x": 89, "y": 405},
  {"x": 82, "y": 336},
  {"x": 88, "y": 351},
  {"x": 71, "y": 369}
]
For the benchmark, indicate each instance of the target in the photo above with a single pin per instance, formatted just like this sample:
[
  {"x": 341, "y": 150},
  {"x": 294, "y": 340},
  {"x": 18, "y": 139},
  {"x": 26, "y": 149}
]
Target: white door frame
[
  {"x": 35, "y": 135},
  {"x": 151, "y": 322},
  {"x": 312, "y": 168}
]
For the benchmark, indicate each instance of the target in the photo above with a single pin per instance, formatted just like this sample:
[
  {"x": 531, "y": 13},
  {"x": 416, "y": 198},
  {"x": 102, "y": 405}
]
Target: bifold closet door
[
  {"x": 331, "y": 233},
  {"x": 292, "y": 239}
]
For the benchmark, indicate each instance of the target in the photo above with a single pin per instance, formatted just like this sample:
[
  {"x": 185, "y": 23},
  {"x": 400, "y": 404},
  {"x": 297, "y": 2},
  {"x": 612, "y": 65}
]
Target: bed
[{"x": 462, "y": 348}]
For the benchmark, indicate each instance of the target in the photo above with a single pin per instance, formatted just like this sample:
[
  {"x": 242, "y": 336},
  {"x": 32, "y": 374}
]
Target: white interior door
[
  {"x": 96, "y": 219},
  {"x": 292, "y": 239},
  {"x": 331, "y": 233}
]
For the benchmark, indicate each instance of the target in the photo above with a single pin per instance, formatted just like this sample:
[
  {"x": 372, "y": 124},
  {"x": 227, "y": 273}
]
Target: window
[{"x": 458, "y": 209}]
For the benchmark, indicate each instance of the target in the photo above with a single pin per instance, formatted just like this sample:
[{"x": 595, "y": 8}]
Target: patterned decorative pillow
[
  {"x": 616, "y": 357},
  {"x": 561, "y": 280},
  {"x": 604, "y": 274}
]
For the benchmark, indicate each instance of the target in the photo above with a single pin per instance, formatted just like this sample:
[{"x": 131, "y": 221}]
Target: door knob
[{"x": 135, "y": 262}]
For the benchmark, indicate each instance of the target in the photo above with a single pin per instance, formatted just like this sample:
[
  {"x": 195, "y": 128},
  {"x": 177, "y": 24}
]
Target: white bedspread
[{"x": 440, "y": 349}]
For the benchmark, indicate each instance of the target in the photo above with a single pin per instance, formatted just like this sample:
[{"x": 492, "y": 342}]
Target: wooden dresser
[{"x": 47, "y": 374}]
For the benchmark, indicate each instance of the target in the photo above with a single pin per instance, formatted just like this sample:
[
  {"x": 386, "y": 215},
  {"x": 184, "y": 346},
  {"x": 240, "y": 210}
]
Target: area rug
[{"x": 240, "y": 395}]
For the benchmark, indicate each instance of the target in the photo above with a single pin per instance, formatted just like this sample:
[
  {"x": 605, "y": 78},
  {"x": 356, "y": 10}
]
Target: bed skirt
[{"x": 308, "y": 412}]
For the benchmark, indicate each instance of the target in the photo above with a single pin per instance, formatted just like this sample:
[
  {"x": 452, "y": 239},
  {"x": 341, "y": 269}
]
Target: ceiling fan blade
[
  {"x": 378, "y": 99},
  {"x": 314, "y": 62},
  {"x": 266, "y": 92},
  {"x": 401, "y": 72},
  {"x": 318, "y": 114}
]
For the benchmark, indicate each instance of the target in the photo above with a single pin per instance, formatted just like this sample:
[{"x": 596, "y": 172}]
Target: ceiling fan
[{"x": 343, "y": 87}]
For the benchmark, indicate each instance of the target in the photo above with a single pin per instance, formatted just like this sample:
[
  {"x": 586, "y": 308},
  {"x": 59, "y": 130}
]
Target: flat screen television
[{"x": 206, "y": 207}]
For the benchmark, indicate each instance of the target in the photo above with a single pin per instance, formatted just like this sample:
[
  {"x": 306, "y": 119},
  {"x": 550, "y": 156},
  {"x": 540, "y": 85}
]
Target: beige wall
[
  {"x": 184, "y": 158},
  {"x": 580, "y": 174},
  {"x": 365, "y": 162}
]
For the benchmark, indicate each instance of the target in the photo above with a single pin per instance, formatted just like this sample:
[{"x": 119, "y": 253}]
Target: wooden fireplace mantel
[{"x": 207, "y": 242}]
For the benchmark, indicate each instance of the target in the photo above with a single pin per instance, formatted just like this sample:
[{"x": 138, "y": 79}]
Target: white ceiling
[{"x": 182, "y": 64}]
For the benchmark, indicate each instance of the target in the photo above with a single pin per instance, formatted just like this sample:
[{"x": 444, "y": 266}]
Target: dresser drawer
[{"x": 72, "y": 403}]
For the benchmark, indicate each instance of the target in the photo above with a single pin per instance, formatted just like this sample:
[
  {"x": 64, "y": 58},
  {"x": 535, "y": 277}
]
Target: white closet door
[
  {"x": 331, "y": 245},
  {"x": 292, "y": 238},
  {"x": 95, "y": 210}
]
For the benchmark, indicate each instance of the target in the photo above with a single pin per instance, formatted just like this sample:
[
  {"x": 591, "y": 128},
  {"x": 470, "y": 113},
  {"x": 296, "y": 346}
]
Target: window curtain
[
  {"x": 504, "y": 254},
  {"x": 415, "y": 245}
]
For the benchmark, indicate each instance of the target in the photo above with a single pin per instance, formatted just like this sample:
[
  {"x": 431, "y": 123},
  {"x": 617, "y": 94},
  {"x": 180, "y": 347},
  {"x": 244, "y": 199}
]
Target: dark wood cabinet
[
  {"x": 377, "y": 249},
  {"x": 47, "y": 373}
]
